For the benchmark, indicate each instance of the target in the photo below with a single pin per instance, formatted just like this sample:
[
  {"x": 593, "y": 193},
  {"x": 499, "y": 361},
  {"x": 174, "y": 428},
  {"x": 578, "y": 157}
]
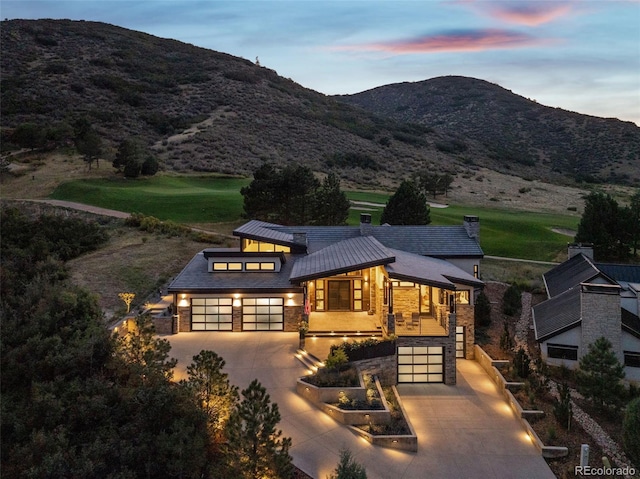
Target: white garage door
[
  {"x": 420, "y": 364},
  {"x": 263, "y": 314}
]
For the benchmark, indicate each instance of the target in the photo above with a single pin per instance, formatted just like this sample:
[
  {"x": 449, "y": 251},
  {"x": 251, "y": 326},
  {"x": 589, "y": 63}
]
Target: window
[
  {"x": 562, "y": 351},
  {"x": 403, "y": 284},
  {"x": 252, "y": 245},
  {"x": 476, "y": 271},
  {"x": 462, "y": 297},
  {"x": 319, "y": 295},
  {"x": 224, "y": 266},
  {"x": 259, "y": 266},
  {"x": 632, "y": 359},
  {"x": 263, "y": 314},
  {"x": 211, "y": 314}
]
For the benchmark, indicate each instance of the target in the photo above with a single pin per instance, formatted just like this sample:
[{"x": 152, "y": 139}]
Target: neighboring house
[
  {"x": 588, "y": 300},
  {"x": 417, "y": 282}
]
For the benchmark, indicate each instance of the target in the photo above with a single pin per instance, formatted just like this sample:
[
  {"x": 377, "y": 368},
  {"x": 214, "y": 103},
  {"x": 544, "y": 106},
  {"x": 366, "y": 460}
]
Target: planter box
[
  {"x": 522, "y": 414},
  {"x": 320, "y": 395},
  {"x": 404, "y": 442}
]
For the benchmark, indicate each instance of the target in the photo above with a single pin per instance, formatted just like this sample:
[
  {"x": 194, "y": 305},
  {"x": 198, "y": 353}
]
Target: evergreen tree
[
  {"x": 150, "y": 166},
  {"x": 129, "y": 149},
  {"x": 407, "y": 206},
  {"x": 600, "y": 375},
  {"x": 631, "y": 431},
  {"x": 348, "y": 468},
  {"x": 295, "y": 195},
  {"x": 331, "y": 204},
  {"x": 212, "y": 389},
  {"x": 260, "y": 195},
  {"x": 631, "y": 215},
  {"x": 512, "y": 300},
  {"x": 255, "y": 447},
  {"x": 603, "y": 225},
  {"x": 482, "y": 311}
]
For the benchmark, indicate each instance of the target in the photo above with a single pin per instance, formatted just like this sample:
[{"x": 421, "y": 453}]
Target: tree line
[
  {"x": 80, "y": 402},
  {"x": 132, "y": 157}
]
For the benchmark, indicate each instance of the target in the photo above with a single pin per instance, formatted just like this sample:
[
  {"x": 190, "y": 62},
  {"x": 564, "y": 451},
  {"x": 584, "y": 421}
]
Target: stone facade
[
  {"x": 465, "y": 317},
  {"x": 184, "y": 319},
  {"x": 163, "y": 325},
  {"x": 292, "y": 318},
  {"x": 406, "y": 300},
  {"x": 447, "y": 342},
  {"x": 384, "y": 367},
  {"x": 600, "y": 312}
]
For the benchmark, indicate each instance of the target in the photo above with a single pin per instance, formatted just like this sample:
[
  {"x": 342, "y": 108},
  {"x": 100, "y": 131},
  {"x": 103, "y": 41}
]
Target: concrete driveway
[{"x": 464, "y": 431}]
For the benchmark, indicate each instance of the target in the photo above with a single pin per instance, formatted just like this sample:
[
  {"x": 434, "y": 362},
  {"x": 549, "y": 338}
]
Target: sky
[{"x": 579, "y": 55}]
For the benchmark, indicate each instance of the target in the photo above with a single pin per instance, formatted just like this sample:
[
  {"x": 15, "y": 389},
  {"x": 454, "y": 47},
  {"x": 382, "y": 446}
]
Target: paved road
[{"x": 464, "y": 431}]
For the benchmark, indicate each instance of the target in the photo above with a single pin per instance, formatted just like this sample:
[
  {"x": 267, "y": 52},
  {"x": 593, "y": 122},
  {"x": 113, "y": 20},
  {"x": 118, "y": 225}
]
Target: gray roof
[
  {"x": 557, "y": 314},
  {"x": 196, "y": 277},
  {"x": 622, "y": 273},
  {"x": 348, "y": 255},
  {"x": 427, "y": 240},
  {"x": 426, "y": 270},
  {"x": 572, "y": 272}
]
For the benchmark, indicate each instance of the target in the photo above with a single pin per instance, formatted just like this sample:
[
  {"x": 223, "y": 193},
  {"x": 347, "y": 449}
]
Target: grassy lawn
[
  {"x": 197, "y": 200},
  {"x": 180, "y": 199}
]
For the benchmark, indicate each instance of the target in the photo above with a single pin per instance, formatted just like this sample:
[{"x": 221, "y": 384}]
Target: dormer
[{"x": 225, "y": 261}]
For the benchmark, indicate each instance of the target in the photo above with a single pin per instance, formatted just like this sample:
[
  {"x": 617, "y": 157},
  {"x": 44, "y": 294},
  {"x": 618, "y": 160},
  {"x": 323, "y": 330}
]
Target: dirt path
[{"x": 82, "y": 207}]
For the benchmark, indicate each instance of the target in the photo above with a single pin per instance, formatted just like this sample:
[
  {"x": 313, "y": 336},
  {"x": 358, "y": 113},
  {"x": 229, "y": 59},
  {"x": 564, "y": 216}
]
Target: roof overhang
[{"x": 349, "y": 255}]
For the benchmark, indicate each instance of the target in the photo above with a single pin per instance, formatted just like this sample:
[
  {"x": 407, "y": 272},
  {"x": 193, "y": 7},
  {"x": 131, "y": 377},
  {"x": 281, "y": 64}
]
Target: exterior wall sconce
[
  {"x": 183, "y": 303},
  {"x": 236, "y": 301}
]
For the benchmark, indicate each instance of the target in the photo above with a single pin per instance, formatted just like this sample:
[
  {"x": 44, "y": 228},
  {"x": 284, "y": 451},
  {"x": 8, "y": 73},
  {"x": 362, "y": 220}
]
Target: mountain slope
[
  {"x": 201, "y": 110},
  {"x": 516, "y": 131}
]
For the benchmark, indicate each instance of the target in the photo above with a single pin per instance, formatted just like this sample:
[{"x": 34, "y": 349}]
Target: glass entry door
[{"x": 339, "y": 295}]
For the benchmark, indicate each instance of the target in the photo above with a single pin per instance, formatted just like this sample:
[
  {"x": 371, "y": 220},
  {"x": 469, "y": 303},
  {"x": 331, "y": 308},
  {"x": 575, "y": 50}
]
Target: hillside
[
  {"x": 201, "y": 110},
  {"x": 519, "y": 133}
]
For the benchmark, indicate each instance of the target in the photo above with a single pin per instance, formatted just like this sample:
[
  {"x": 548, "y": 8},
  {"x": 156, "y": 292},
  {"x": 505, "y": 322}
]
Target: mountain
[
  {"x": 202, "y": 110},
  {"x": 515, "y": 130}
]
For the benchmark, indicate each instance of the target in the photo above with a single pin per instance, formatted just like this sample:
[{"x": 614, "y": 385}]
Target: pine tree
[
  {"x": 407, "y": 206},
  {"x": 331, "y": 204},
  {"x": 348, "y": 468},
  {"x": 255, "y": 447},
  {"x": 212, "y": 389},
  {"x": 482, "y": 311},
  {"x": 600, "y": 375}
]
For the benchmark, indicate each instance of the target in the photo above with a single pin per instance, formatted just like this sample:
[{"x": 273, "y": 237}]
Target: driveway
[{"x": 464, "y": 431}]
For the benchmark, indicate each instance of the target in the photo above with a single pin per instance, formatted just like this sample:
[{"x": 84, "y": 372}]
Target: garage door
[
  {"x": 420, "y": 364},
  {"x": 263, "y": 314},
  {"x": 459, "y": 341},
  {"x": 211, "y": 314}
]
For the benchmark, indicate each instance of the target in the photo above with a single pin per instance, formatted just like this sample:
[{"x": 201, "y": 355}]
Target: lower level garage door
[
  {"x": 420, "y": 364},
  {"x": 211, "y": 314},
  {"x": 263, "y": 314}
]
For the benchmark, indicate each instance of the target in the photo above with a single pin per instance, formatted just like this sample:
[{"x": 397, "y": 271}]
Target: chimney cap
[
  {"x": 365, "y": 218},
  {"x": 471, "y": 218}
]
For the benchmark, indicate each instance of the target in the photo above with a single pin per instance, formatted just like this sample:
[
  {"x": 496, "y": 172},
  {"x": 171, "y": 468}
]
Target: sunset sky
[{"x": 579, "y": 55}]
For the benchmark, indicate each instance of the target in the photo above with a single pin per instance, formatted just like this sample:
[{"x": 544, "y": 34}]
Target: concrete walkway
[{"x": 464, "y": 431}]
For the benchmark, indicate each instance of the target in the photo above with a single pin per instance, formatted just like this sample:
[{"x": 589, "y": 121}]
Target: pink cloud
[
  {"x": 529, "y": 14},
  {"x": 460, "y": 41}
]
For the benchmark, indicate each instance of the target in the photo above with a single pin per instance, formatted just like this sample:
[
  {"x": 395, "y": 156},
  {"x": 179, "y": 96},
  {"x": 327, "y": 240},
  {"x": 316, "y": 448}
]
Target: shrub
[
  {"x": 631, "y": 431},
  {"x": 337, "y": 360},
  {"x": 521, "y": 363},
  {"x": 506, "y": 342},
  {"x": 562, "y": 407},
  {"x": 482, "y": 311},
  {"x": 512, "y": 300},
  {"x": 348, "y": 468}
]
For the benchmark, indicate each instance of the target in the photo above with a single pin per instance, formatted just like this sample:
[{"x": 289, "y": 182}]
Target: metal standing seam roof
[
  {"x": 557, "y": 314},
  {"x": 572, "y": 272},
  {"x": 196, "y": 277},
  {"x": 426, "y": 270},
  {"x": 426, "y": 240},
  {"x": 341, "y": 257},
  {"x": 255, "y": 229}
]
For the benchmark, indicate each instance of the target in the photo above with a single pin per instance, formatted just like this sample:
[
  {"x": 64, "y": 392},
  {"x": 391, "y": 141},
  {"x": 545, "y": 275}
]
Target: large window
[
  {"x": 252, "y": 245},
  {"x": 632, "y": 359},
  {"x": 562, "y": 351},
  {"x": 263, "y": 314},
  {"x": 227, "y": 266},
  {"x": 211, "y": 314}
]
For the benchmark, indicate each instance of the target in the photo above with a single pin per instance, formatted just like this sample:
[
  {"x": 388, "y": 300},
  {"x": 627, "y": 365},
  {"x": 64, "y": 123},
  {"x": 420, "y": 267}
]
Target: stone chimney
[
  {"x": 472, "y": 226},
  {"x": 601, "y": 316},
  {"x": 365, "y": 224},
  {"x": 574, "y": 249},
  {"x": 300, "y": 238}
]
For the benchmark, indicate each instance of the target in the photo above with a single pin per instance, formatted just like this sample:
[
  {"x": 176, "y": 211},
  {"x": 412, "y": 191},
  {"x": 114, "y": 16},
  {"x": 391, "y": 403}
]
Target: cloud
[
  {"x": 456, "y": 41},
  {"x": 526, "y": 13}
]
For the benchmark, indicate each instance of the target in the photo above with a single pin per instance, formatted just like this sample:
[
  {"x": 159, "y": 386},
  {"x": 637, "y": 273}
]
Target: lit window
[
  {"x": 252, "y": 266},
  {"x": 462, "y": 297}
]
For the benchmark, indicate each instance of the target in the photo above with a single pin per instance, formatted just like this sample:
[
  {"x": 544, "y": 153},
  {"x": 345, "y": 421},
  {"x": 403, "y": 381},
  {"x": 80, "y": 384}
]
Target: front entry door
[{"x": 339, "y": 295}]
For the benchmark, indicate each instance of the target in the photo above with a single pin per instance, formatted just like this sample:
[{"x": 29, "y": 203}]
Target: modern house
[
  {"x": 416, "y": 282},
  {"x": 588, "y": 300}
]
